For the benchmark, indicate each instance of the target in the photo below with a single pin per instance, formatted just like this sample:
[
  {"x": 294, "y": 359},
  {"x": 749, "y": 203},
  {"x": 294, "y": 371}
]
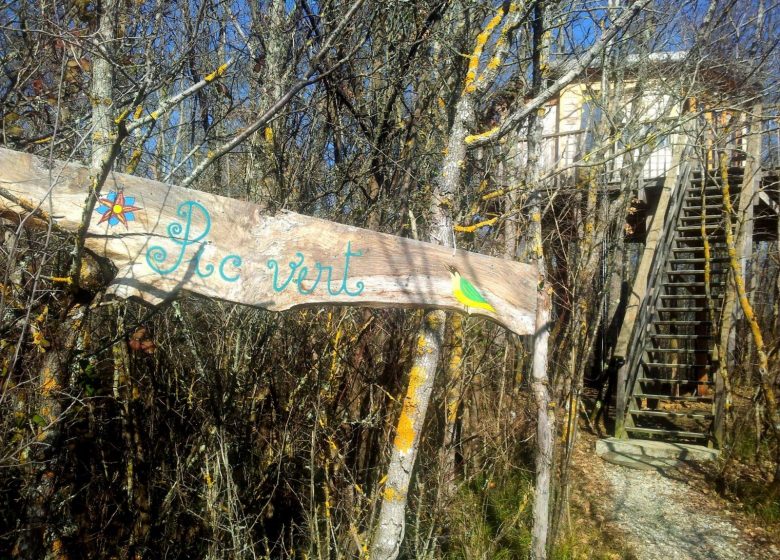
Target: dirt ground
[{"x": 670, "y": 514}]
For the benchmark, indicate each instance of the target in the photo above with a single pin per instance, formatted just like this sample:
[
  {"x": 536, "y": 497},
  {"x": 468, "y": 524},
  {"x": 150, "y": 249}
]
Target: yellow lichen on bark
[
  {"x": 590, "y": 219},
  {"x": 456, "y": 360},
  {"x": 58, "y": 549},
  {"x": 46, "y": 413},
  {"x": 334, "y": 360},
  {"x": 122, "y": 116},
  {"x": 471, "y": 138},
  {"x": 453, "y": 397},
  {"x": 747, "y": 308},
  {"x": 474, "y": 227},
  {"x": 495, "y": 61},
  {"x": 707, "y": 255},
  {"x": 433, "y": 322},
  {"x": 391, "y": 494},
  {"x": 133, "y": 163},
  {"x": 538, "y": 248},
  {"x": 405, "y": 433},
  {"x": 326, "y": 504},
  {"x": 38, "y": 340},
  {"x": 494, "y": 194},
  {"x": 721, "y": 369},
  {"x": 471, "y": 76},
  {"x": 499, "y": 49},
  {"x": 49, "y": 383},
  {"x": 216, "y": 73}
]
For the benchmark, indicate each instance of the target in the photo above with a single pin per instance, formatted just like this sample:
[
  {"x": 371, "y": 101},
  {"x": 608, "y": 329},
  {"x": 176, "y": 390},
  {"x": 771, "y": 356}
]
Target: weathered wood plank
[{"x": 181, "y": 239}]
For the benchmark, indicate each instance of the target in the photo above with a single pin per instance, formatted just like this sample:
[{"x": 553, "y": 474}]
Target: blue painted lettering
[
  {"x": 184, "y": 236},
  {"x": 303, "y": 273}
]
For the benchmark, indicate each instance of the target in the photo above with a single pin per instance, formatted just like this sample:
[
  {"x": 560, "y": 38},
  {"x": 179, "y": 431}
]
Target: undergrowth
[{"x": 494, "y": 519}]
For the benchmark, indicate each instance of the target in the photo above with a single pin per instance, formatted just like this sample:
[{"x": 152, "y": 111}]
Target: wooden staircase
[{"x": 670, "y": 390}]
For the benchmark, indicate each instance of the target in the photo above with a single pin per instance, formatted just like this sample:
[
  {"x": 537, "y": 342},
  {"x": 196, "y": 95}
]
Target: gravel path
[{"x": 665, "y": 519}]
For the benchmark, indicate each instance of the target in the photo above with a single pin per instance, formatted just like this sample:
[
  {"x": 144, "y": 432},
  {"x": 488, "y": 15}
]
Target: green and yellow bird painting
[{"x": 465, "y": 292}]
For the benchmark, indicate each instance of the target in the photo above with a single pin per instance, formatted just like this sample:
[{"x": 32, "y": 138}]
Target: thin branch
[
  {"x": 284, "y": 99},
  {"x": 511, "y": 122}
]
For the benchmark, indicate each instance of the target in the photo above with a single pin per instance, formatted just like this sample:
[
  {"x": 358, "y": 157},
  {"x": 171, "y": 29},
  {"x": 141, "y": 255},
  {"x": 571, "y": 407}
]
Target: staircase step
[
  {"x": 678, "y": 336},
  {"x": 714, "y": 270},
  {"x": 709, "y": 195},
  {"x": 678, "y": 272},
  {"x": 694, "y": 202},
  {"x": 697, "y": 219},
  {"x": 682, "y": 323},
  {"x": 674, "y": 381},
  {"x": 718, "y": 255},
  {"x": 710, "y": 192},
  {"x": 699, "y": 239},
  {"x": 697, "y": 249},
  {"x": 677, "y": 350},
  {"x": 679, "y": 309},
  {"x": 734, "y": 185},
  {"x": 688, "y": 296},
  {"x": 711, "y": 185},
  {"x": 644, "y": 448},
  {"x": 695, "y": 261},
  {"x": 683, "y": 284},
  {"x": 714, "y": 176},
  {"x": 715, "y": 241},
  {"x": 665, "y": 414},
  {"x": 697, "y": 208},
  {"x": 640, "y": 462},
  {"x": 710, "y": 227},
  {"x": 659, "y": 432},
  {"x": 735, "y": 182},
  {"x": 679, "y": 398},
  {"x": 717, "y": 277}
]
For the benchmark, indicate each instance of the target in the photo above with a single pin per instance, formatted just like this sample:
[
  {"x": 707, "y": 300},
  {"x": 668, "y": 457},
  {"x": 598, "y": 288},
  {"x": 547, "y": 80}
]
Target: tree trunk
[
  {"x": 545, "y": 413},
  {"x": 48, "y": 498},
  {"x": 744, "y": 302},
  {"x": 391, "y": 525},
  {"x": 452, "y": 403},
  {"x": 390, "y": 529}
]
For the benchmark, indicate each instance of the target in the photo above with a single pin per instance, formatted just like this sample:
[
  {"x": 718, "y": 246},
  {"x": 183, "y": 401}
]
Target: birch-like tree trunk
[
  {"x": 391, "y": 525},
  {"x": 389, "y": 534},
  {"x": 105, "y": 135},
  {"x": 742, "y": 297},
  {"x": 545, "y": 413},
  {"x": 48, "y": 498}
]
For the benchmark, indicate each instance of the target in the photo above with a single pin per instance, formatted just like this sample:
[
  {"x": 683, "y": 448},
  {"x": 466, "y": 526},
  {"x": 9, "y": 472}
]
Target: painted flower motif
[{"x": 116, "y": 207}]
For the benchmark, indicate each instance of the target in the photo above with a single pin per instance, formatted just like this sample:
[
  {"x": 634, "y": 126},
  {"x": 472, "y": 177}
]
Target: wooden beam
[{"x": 164, "y": 239}]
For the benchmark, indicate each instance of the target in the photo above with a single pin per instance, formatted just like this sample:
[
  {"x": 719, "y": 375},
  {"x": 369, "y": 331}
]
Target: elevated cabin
[{"x": 672, "y": 347}]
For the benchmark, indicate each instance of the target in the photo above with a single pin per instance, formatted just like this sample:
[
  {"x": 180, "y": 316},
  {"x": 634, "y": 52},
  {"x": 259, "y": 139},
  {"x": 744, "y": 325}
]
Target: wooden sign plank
[{"x": 163, "y": 239}]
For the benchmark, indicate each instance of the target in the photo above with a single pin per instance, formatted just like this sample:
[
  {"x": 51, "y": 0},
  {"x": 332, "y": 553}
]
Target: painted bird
[{"x": 465, "y": 292}]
